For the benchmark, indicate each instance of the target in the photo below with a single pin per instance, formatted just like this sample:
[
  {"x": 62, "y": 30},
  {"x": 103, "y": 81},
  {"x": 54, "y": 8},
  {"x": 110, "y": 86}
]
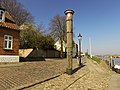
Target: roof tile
[{"x": 10, "y": 25}]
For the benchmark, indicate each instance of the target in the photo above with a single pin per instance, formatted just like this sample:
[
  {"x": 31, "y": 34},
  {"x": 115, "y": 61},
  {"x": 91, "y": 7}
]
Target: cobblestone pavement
[
  {"x": 29, "y": 76},
  {"x": 90, "y": 77},
  {"x": 63, "y": 82},
  {"x": 114, "y": 82},
  {"x": 19, "y": 75}
]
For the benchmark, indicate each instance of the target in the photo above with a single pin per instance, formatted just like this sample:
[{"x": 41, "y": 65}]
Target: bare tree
[
  {"x": 41, "y": 28},
  {"x": 58, "y": 29},
  {"x": 17, "y": 11}
]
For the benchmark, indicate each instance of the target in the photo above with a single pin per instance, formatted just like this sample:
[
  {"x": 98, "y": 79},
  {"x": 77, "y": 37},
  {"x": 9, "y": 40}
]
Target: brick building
[{"x": 9, "y": 38}]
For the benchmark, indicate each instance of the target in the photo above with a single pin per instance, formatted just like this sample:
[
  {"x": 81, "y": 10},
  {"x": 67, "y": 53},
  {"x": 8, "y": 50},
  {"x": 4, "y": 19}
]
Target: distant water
[{"x": 116, "y": 60}]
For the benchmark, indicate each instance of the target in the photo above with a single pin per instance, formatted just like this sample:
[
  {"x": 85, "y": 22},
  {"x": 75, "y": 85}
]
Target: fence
[{"x": 41, "y": 53}]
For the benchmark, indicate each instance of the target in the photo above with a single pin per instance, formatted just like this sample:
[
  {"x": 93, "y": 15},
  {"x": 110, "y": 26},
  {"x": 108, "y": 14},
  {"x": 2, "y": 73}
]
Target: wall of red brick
[{"x": 15, "y": 34}]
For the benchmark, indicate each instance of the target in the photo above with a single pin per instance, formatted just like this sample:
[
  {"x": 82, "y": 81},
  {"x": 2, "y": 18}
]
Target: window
[
  {"x": 8, "y": 42},
  {"x": 2, "y": 15}
]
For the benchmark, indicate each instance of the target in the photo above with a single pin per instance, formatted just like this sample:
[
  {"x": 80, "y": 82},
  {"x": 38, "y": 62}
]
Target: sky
[{"x": 95, "y": 19}]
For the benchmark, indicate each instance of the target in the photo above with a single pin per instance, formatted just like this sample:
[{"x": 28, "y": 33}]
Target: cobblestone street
[
  {"x": 16, "y": 76},
  {"x": 36, "y": 76},
  {"x": 90, "y": 77}
]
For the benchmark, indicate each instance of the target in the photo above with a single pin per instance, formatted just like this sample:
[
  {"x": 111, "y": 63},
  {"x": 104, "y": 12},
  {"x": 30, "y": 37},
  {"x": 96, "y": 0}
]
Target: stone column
[{"x": 69, "y": 27}]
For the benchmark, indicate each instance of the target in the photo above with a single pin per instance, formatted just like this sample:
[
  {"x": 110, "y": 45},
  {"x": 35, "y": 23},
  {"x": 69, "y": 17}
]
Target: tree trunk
[
  {"x": 61, "y": 48},
  {"x": 61, "y": 41}
]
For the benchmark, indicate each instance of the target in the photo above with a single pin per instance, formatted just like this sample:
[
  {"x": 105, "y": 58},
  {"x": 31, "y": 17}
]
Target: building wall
[
  {"x": 58, "y": 45},
  {"x": 9, "y": 58},
  {"x": 75, "y": 50},
  {"x": 15, "y": 47}
]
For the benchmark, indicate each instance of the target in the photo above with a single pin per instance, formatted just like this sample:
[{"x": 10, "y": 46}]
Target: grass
[{"x": 96, "y": 59}]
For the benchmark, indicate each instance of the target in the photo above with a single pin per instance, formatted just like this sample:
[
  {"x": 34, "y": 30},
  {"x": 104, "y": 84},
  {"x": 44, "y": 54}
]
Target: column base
[
  {"x": 80, "y": 61},
  {"x": 69, "y": 71}
]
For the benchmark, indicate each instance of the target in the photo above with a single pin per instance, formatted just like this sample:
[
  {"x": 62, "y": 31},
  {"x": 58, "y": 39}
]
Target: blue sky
[{"x": 98, "y": 19}]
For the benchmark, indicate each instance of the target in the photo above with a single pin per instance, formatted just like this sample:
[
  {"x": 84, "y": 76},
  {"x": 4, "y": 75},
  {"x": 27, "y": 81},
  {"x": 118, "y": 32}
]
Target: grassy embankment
[{"x": 98, "y": 60}]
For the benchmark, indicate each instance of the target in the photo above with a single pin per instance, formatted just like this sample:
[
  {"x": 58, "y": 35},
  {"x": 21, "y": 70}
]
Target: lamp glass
[{"x": 79, "y": 36}]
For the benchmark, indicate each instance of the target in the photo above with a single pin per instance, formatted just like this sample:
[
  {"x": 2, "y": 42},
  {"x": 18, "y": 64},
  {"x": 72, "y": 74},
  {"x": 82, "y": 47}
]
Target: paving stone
[
  {"x": 27, "y": 73},
  {"x": 90, "y": 77}
]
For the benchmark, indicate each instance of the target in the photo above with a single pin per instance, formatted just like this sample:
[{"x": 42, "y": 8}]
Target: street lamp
[
  {"x": 79, "y": 50},
  {"x": 69, "y": 27}
]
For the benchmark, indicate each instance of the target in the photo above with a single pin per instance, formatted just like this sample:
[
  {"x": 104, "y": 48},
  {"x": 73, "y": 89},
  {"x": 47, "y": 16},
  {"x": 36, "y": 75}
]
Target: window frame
[
  {"x": 9, "y": 42},
  {"x": 2, "y": 15}
]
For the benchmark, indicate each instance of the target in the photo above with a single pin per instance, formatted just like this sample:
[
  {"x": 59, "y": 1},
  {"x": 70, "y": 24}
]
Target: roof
[
  {"x": 9, "y": 25},
  {"x": 9, "y": 22},
  {"x": 8, "y": 16}
]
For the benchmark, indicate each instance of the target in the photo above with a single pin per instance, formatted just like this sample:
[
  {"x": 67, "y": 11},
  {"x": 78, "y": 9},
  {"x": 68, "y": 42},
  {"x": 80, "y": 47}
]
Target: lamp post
[
  {"x": 90, "y": 48},
  {"x": 69, "y": 27},
  {"x": 79, "y": 50}
]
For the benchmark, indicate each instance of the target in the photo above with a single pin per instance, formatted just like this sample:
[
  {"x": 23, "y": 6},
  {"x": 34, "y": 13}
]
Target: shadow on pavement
[
  {"x": 77, "y": 68},
  {"x": 31, "y": 59}
]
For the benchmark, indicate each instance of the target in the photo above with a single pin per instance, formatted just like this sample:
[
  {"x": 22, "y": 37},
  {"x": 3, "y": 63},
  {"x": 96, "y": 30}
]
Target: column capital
[{"x": 69, "y": 11}]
